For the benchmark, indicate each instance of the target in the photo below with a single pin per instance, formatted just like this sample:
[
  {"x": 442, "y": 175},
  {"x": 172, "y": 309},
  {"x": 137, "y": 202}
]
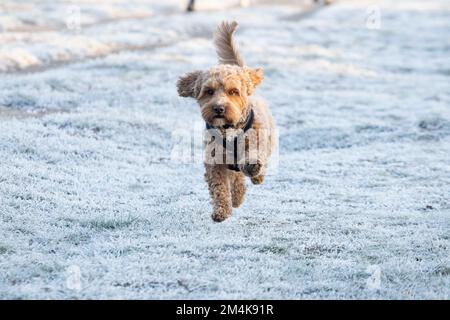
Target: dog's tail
[{"x": 225, "y": 47}]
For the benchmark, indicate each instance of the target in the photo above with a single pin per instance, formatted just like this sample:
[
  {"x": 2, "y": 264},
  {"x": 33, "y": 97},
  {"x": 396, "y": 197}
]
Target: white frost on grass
[{"x": 87, "y": 182}]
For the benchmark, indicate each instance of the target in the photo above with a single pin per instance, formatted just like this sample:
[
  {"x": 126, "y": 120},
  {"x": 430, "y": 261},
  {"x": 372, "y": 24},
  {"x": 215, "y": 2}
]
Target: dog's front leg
[
  {"x": 256, "y": 167},
  {"x": 255, "y": 170},
  {"x": 219, "y": 188}
]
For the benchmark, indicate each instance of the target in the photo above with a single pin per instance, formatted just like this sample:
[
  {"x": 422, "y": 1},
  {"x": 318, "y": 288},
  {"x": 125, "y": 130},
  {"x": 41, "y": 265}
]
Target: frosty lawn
[{"x": 359, "y": 206}]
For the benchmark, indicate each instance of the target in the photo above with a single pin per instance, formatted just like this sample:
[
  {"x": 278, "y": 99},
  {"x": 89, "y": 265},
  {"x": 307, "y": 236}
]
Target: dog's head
[{"x": 222, "y": 92}]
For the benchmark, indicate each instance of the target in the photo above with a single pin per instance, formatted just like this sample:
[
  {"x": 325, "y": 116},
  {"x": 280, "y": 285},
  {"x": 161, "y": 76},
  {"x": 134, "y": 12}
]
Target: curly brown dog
[{"x": 240, "y": 132}]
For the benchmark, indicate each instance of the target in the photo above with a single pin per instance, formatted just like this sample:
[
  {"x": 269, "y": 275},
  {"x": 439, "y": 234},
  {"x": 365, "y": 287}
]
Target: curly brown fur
[{"x": 225, "y": 95}]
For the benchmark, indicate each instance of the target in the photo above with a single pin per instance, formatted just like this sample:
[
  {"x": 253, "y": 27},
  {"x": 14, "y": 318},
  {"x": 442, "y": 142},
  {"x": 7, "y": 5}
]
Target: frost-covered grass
[{"x": 362, "y": 187}]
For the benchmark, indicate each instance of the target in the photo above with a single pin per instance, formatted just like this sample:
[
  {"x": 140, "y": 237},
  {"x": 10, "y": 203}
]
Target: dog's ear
[
  {"x": 189, "y": 84},
  {"x": 256, "y": 77}
]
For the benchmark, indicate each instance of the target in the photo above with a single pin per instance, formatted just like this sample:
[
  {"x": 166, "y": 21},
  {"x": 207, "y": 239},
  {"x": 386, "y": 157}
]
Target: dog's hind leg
[
  {"x": 237, "y": 185},
  {"x": 218, "y": 181}
]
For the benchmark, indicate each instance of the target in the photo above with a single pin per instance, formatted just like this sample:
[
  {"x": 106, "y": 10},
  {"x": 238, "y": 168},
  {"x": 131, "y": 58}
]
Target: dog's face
[{"x": 222, "y": 92}]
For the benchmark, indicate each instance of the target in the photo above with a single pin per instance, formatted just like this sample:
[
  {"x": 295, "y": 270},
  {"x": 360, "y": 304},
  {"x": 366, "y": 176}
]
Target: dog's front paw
[
  {"x": 253, "y": 169},
  {"x": 220, "y": 215},
  {"x": 257, "y": 179}
]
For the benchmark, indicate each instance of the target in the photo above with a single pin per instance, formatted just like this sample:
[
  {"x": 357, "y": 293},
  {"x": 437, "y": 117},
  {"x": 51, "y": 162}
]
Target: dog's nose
[{"x": 219, "y": 109}]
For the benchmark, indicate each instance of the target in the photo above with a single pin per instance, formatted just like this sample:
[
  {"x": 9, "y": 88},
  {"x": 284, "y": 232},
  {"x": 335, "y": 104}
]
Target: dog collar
[{"x": 248, "y": 124}]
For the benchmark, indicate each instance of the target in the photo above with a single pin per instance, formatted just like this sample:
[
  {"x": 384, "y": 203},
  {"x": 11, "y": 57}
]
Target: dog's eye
[
  {"x": 233, "y": 92},
  {"x": 210, "y": 92}
]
